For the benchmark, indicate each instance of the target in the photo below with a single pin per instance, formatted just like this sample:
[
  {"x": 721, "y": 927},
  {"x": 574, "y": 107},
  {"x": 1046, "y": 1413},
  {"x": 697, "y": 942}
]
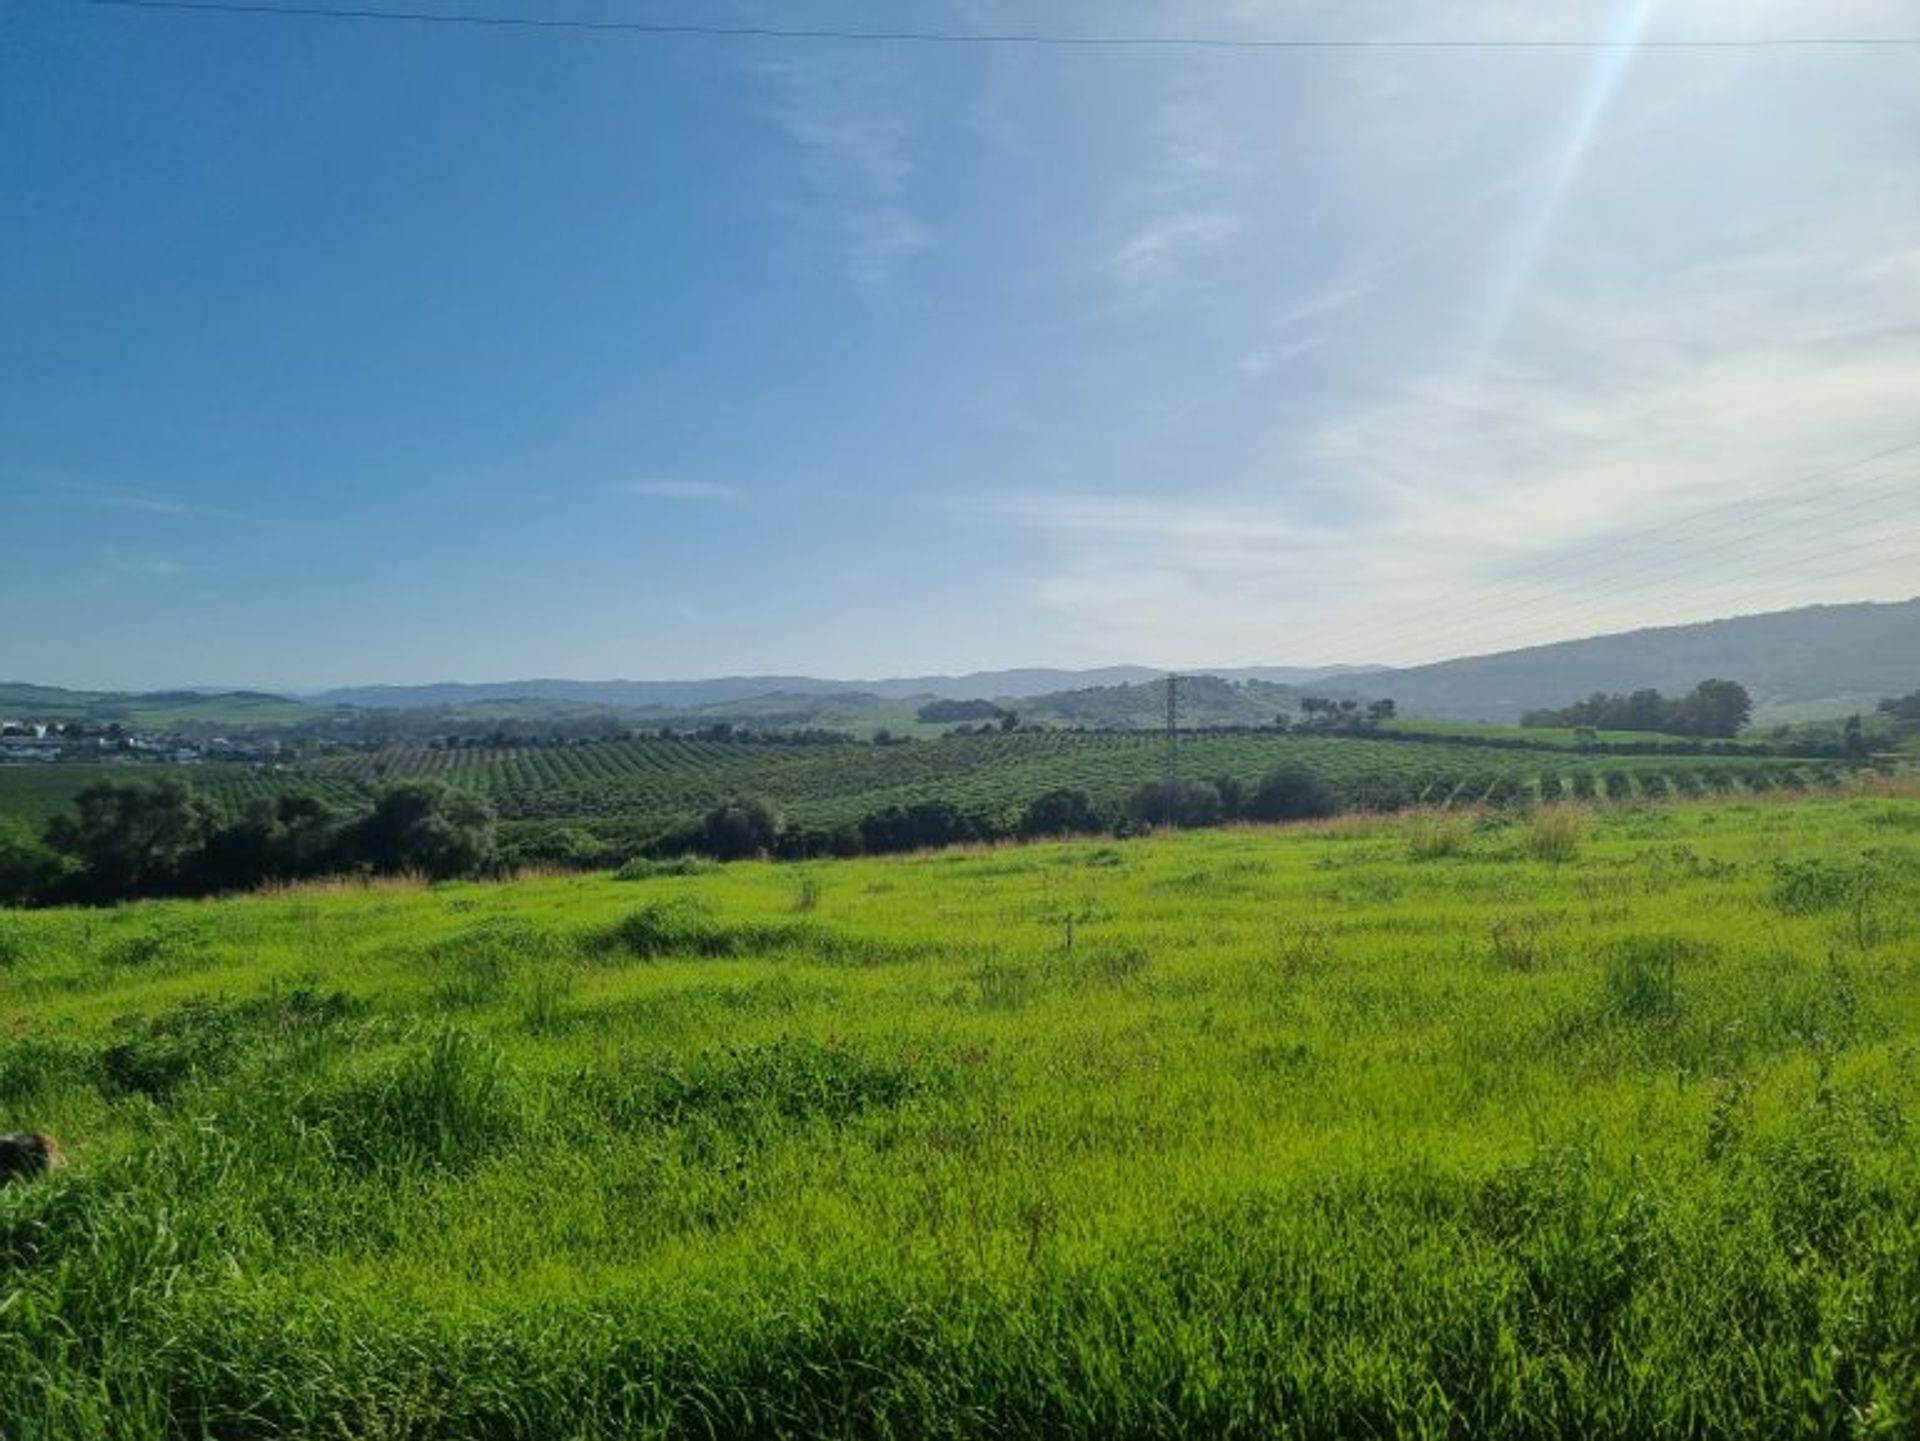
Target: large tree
[
  {"x": 28, "y": 868},
  {"x": 277, "y": 838},
  {"x": 427, "y": 827},
  {"x": 739, "y": 829},
  {"x": 132, "y": 837},
  {"x": 1716, "y": 708},
  {"x": 1060, "y": 812}
]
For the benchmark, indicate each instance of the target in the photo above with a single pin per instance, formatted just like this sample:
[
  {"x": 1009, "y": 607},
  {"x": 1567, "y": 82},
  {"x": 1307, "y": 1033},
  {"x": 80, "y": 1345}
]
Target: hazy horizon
[{"x": 1328, "y": 669}]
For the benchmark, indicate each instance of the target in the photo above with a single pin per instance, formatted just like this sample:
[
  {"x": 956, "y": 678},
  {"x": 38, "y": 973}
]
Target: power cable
[{"x": 1009, "y": 37}]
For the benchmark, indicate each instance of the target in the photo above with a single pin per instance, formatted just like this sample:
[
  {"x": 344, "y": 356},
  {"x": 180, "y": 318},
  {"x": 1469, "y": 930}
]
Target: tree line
[
  {"x": 1712, "y": 708},
  {"x": 138, "y": 838},
  {"x": 752, "y": 826},
  {"x": 155, "y": 837}
]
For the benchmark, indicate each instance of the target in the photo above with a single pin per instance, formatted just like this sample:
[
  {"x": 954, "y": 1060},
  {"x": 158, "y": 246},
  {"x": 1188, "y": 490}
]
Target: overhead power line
[{"x": 1029, "y": 38}]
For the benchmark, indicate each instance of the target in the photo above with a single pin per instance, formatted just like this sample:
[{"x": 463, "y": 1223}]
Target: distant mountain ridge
[
  {"x": 624, "y": 694},
  {"x": 1808, "y": 663}
]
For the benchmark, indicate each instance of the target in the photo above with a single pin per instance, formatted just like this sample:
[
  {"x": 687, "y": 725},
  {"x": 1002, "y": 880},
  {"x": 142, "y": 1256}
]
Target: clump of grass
[
  {"x": 806, "y": 895},
  {"x": 1889, "y": 817},
  {"x": 1002, "y": 985},
  {"x": 735, "y": 1088},
  {"x": 1553, "y": 834},
  {"x": 681, "y": 927},
  {"x": 1436, "y": 837},
  {"x": 1802, "y": 887},
  {"x": 1113, "y": 963},
  {"x": 1302, "y": 948},
  {"x": 544, "y": 1011},
  {"x": 647, "y": 868},
  {"x": 1522, "y": 943},
  {"x": 155, "y": 1056},
  {"x": 475, "y": 982},
  {"x": 1731, "y": 1118},
  {"x": 1640, "y": 981},
  {"x": 15, "y": 942},
  {"x": 447, "y": 1102},
  {"x": 33, "y": 1066},
  {"x": 478, "y": 966},
  {"x": 156, "y": 947}
]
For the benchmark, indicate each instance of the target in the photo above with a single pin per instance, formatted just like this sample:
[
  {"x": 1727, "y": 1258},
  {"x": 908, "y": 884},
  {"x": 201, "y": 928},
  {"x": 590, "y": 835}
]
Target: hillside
[
  {"x": 1809, "y": 663},
  {"x": 186, "y": 711},
  {"x": 1801, "y": 664}
]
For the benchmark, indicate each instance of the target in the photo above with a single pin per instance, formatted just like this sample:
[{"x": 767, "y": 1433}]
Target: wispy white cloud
[
  {"x": 1642, "y": 454},
  {"x": 140, "y": 571},
  {"x": 145, "y": 502},
  {"x": 851, "y": 117},
  {"x": 708, "y": 492},
  {"x": 1167, "y": 244},
  {"x": 152, "y": 569}
]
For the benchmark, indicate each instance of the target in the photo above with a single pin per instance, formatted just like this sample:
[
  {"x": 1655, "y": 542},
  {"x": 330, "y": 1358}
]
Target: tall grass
[
  {"x": 1264, "y": 1133},
  {"x": 1553, "y": 834}
]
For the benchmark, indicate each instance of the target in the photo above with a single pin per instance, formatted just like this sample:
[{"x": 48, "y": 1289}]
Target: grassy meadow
[{"x": 1543, "y": 1122}]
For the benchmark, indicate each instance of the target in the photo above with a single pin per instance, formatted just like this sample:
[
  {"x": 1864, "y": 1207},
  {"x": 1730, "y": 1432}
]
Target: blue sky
[{"x": 340, "y": 352}]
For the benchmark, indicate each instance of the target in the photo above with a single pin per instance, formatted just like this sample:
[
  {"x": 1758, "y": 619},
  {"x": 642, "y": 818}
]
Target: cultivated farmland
[
  {"x": 1462, "y": 1124},
  {"x": 654, "y": 780},
  {"x": 36, "y": 793}
]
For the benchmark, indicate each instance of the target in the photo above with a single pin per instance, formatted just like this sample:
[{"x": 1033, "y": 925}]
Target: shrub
[
  {"x": 646, "y": 868},
  {"x": 739, "y": 829},
  {"x": 1194, "y": 803},
  {"x": 1059, "y": 813},
  {"x": 1290, "y": 793}
]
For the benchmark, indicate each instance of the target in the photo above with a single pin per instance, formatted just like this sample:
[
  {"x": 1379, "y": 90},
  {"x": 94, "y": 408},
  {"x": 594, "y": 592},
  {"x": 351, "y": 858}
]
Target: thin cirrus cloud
[
  {"x": 1165, "y": 245},
  {"x": 704, "y": 492},
  {"x": 141, "y": 571},
  {"x": 849, "y": 118},
  {"x": 1737, "y": 437}
]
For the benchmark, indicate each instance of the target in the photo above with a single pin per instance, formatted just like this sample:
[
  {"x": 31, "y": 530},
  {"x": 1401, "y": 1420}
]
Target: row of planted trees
[
  {"x": 748, "y": 827},
  {"x": 124, "y": 839},
  {"x": 129, "y": 838}
]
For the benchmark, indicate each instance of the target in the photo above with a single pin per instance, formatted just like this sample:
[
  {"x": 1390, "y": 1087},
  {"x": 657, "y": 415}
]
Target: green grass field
[{"x": 1454, "y": 1125}]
